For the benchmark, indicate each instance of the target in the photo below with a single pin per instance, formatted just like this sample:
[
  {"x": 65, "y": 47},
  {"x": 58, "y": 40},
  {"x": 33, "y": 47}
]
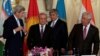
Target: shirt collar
[
  {"x": 87, "y": 26},
  {"x": 43, "y": 26},
  {"x": 55, "y": 20},
  {"x": 16, "y": 18}
]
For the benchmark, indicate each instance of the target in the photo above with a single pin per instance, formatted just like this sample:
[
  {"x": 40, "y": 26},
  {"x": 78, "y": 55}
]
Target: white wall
[{"x": 1, "y": 27}]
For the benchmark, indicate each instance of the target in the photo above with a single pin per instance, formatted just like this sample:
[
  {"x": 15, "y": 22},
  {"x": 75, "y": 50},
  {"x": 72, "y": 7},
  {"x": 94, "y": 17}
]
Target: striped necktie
[
  {"x": 41, "y": 32},
  {"x": 84, "y": 33}
]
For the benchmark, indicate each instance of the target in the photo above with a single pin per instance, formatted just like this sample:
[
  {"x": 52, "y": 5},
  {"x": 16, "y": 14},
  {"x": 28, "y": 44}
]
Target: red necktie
[{"x": 84, "y": 33}]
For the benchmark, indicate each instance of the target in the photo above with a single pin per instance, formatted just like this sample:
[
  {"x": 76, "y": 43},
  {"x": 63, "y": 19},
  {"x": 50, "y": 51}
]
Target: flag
[
  {"x": 61, "y": 9},
  {"x": 6, "y": 11},
  {"x": 33, "y": 12},
  {"x": 32, "y": 18},
  {"x": 6, "y": 8},
  {"x": 87, "y": 7}
]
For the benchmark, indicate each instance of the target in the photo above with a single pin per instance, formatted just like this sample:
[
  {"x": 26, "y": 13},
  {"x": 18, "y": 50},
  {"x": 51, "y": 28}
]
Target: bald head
[{"x": 42, "y": 18}]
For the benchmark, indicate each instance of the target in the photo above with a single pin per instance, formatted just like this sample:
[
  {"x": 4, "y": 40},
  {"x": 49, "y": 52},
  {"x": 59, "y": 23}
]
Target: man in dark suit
[
  {"x": 40, "y": 34},
  {"x": 13, "y": 33},
  {"x": 83, "y": 35},
  {"x": 60, "y": 33}
]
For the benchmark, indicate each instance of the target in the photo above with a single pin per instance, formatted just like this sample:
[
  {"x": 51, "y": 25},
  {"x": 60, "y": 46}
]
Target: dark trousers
[
  {"x": 58, "y": 53},
  {"x": 13, "y": 53}
]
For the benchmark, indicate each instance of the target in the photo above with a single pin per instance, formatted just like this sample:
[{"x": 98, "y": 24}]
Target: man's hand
[
  {"x": 63, "y": 51},
  {"x": 70, "y": 52},
  {"x": 18, "y": 28},
  {"x": 52, "y": 50}
]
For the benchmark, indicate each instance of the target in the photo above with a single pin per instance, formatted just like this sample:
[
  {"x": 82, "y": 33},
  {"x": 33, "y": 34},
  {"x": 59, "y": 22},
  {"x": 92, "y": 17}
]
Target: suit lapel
[
  {"x": 45, "y": 31},
  {"x": 38, "y": 31},
  {"x": 21, "y": 22},
  {"x": 57, "y": 23},
  {"x": 81, "y": 32},
  {"x": 14, "y": 20},
  {"x": 89, "y": 32}
]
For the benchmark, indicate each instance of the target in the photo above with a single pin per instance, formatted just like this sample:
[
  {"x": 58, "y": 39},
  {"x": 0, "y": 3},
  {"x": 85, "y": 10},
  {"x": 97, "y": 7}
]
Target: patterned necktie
[
  {"x": 84, "y": 33},
  {"x": 41, "y": 32}
]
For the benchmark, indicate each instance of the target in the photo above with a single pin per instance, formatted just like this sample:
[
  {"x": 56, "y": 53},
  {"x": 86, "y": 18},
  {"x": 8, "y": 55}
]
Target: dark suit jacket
[
  {"x": 34, "y": 37},
  {"x": 14, "y": 42},
  {"x": 60, "y": 34},
  {"x": 84, "y": 46}
]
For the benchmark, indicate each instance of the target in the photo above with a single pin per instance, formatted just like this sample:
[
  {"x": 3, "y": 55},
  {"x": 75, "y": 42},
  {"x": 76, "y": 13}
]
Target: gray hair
[
  {"x": 87, "y": 14},
  {"x": 43, "y": 13},
  {"x": 53, "y": 11},
  {"x": 18, "y": 8}
]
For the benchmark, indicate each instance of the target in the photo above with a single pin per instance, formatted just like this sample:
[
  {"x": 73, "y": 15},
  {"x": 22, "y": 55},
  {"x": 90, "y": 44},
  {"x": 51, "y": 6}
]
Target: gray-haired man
[
  {"x": 83, "y": 35},
  {"x": 13, "y": 33}
]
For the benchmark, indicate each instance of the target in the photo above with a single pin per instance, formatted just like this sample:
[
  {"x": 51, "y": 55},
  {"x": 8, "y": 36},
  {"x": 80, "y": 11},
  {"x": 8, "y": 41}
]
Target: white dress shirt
[
  {"x": 53, "y": 22},
  {"x": 41, "y": 28},
  {"x": 18, "y": 23}
]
